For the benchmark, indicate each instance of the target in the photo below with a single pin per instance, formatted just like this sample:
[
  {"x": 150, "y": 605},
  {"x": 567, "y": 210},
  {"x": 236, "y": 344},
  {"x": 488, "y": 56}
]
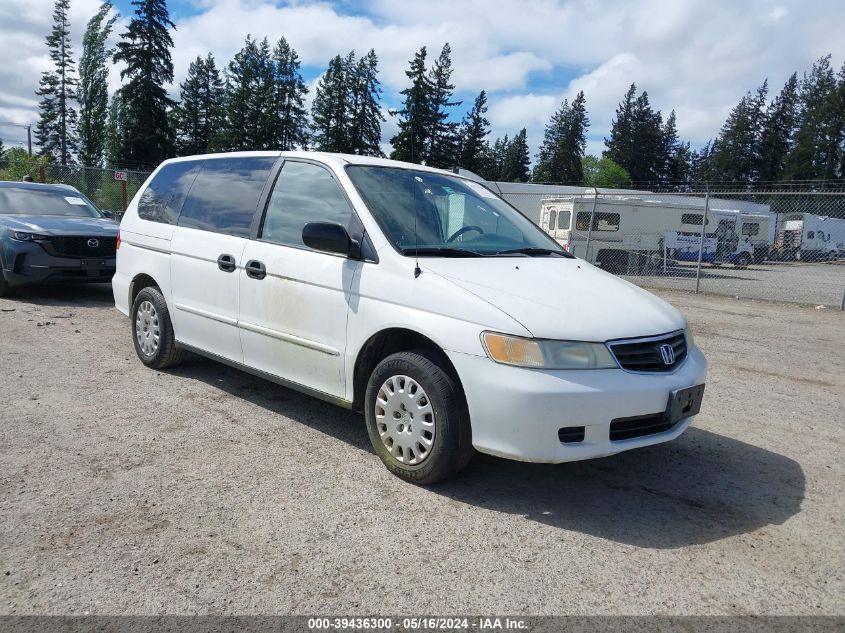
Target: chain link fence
[
  {"x": 96, "y": 183},
  {"x": 781, "y": 245}
]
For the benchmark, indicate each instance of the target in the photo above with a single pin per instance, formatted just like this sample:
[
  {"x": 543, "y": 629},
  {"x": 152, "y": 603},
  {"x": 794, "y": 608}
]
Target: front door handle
[
  {"x": 226, "y": 263},
  {"x": 255, "y": 269}
]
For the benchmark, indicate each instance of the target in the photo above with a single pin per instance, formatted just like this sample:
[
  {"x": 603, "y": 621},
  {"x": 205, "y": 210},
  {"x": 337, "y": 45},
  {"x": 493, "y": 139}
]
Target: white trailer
[
  {"x": 634, "y": 234},
  {"x": 809, "y": 237}
]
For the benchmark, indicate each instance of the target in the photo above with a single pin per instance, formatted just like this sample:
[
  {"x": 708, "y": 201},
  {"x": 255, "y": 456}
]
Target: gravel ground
[
  {"x": 205, "y": 490},
  {"x": 810, "y": 284}
]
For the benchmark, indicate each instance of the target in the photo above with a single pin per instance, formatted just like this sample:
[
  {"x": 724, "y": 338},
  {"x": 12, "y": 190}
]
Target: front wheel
[
  {"x": 416, "y": 418},
  {"x": 4, "y": 285}
]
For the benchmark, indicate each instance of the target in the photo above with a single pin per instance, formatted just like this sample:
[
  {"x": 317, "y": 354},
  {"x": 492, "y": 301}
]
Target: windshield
[
  {"x": 435, "y": 214},
  {"x": 26, "y": 201}
]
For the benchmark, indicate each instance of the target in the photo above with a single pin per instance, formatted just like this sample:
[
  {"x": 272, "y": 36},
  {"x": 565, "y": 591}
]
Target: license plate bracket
[{"x": 684, "y": 403}]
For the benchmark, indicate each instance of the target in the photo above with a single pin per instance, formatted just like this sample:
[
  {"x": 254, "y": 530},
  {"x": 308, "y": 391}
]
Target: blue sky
[{"x": 696, "y": 56}]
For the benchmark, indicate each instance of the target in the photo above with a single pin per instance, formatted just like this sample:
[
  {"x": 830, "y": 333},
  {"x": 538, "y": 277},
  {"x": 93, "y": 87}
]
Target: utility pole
[{"x": 29, "y": 138}]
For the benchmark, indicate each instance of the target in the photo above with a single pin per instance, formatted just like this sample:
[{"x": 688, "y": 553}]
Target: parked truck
[{"x": 632, "y": 234}]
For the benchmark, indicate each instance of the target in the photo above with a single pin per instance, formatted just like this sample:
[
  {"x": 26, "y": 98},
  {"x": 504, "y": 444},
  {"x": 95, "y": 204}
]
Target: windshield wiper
[
  {"x": 533, "y": 250},
  {"x": 443, "y": 251}
]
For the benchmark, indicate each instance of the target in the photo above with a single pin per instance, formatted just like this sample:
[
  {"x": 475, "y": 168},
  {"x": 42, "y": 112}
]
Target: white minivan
[{"x": 412, "y": 294}]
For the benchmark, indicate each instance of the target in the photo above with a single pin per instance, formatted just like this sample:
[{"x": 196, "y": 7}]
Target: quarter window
[
  {"x": 693, "y": 218},
  {"x": 162, "y": 200},
  {"x": 751, "y": 229},
  {"x": 304, "y": 193},
  {"x": 601, "y": 221},
  {"x": 225, "y": 194}
]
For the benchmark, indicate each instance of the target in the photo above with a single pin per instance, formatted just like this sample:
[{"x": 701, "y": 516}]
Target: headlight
[
  {"x": 688, "y": 336},
  {"x": 25, "y": 236},
  {"x": 545, "y": 354}
]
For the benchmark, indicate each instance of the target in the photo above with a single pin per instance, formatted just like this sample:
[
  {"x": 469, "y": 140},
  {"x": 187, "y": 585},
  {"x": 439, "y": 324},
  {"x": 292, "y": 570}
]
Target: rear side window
[
  {"x": 162, "y": 199},
  {"x": 303, "y": 193},
  {"x": 225, "y": 194},
  {"x": 750, "y": 229}
]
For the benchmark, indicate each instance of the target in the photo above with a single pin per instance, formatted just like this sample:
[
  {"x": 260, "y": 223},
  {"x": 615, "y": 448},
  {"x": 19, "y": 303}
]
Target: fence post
[
  {"x": 42, "y": 174},
  {"x": 701, "y": 243},
  {"x": 123, "y": 197},
  {"x": 589, "y": 228},
  {"x": 842, "y": 305}
]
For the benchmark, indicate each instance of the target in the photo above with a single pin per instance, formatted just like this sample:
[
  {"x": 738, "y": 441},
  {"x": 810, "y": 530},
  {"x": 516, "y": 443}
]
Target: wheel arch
[
  {"x": 390, "y": 341},
  {"x": 138, "y": 283}
]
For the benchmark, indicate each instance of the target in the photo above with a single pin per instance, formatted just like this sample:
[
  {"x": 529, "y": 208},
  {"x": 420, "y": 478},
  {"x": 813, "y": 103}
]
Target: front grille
[
  {"x": 77, "y": 246},
  {"x": 638, "y": 426},
  {"x": 646, "y": 355}
]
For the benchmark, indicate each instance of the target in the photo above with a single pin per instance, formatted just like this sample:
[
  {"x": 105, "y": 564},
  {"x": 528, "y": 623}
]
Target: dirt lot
[{"x": 205, "y": 490}]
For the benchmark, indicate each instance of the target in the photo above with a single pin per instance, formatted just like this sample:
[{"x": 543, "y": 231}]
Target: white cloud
[{"x": 691, "y": 55}]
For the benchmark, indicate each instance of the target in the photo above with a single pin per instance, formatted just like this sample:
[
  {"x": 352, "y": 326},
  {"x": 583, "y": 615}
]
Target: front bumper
[
  {"x": 516, "y": 413},
  {"x": 28, "y": 262}
]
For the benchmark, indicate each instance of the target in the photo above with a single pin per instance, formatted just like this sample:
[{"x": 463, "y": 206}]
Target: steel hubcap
[
  {"x": 146, "y": 328},
  {"x": 405, "y": 420}
]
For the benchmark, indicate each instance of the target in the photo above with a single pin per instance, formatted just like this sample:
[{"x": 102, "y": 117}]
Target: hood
[
  {"x": 559, "y": 298},
  {"x": 60, "y": 225}
]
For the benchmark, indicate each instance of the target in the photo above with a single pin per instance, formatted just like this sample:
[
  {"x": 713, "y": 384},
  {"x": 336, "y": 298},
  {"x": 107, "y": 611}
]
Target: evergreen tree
[
  {"x": 472, "y": 149},
  {"x": 2, "y": 155},
  {"x": 564, "y": 142},
  {"x": 409, "y": 144},
  {"x": 777, "y": 131},
  {"x": 250, "y": 91},
  {"x": 621, "y": 148},
  {"x": 114, "y": 131},
  {"x": 517, "y": 159},
  {"x": 737, "y": 149},
  {"x": 814, "y": 153},
  {"x": 291, "y": 119},
  {"x": 670, "y": 146},
  {"x": 442, "y": 133},
  {"x": 330, "y": 110},
  {"x": 93, "y": 87},
  {"x": 55, "y": 131},
  {"x": 199, "y": 117},
  {"x": 636, "y": 140},
  {"x": 145, "y": 49},
  {"x": 495, "y": 155},
  {"x": 365, "y": 111}
]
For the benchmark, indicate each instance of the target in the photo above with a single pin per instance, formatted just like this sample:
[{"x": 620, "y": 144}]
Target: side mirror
[
  {"x": 330, "y": 238},
  {"x": 108, "y": 213}
]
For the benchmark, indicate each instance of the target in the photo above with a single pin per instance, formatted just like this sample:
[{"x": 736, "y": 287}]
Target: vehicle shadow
[
  {"x": 80, "y": 295},
  {"x": 699, "y": 488}
]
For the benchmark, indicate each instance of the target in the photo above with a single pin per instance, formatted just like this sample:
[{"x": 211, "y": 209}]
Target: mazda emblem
[
  {"x": 667, "y": 353},
  {"x": 93, "y": 243}
]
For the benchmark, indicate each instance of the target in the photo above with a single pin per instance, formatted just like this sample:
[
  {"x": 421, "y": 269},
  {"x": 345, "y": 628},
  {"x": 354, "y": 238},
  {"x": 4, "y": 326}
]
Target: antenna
[{"x": 417, "y": 271}]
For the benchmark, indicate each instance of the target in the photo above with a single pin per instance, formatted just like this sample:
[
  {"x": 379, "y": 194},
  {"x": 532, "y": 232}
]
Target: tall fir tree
[
  {"x": 621, "y": 148},
  {"x": 496, "y": 154},
  {"x": 442, "y": 133},
  {"x": 145, "y": 50},
  {"x": 56, "y": 127},
  {"x": 93, "y": 87},
  {"x": 472, "y": 146},
  {"x": 813, "y": 155},
  {"x": 777, "y": 132},
  {"x": 330, "y": 109},
  {"x": 737, "y": 148},
  {"x": 365, "y": 110},
  {"x": 517, "y": 159},
  {"x": 291, "y": 119},
  {"x": 114, "y": 131},
  {"x": 564, "y": 142},
  {"x": 199, "y": 116},
  {"x": 670, "y": 146},
  {"x": 415, "y": 115},
  {"x": 250, "y": 91}
]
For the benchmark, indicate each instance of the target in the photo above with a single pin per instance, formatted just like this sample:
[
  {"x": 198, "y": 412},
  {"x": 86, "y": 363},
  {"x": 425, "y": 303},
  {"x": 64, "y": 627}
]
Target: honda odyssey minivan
[{"x": 414, "y": 295}]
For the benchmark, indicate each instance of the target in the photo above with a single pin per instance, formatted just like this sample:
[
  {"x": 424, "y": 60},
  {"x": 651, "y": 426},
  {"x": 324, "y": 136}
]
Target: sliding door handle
[{"x": 255, "y": 269}]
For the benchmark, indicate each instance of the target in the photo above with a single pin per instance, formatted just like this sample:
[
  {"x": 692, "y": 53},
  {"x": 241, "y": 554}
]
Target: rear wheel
[
  {"x": 152, "y": 331},
  {"x": 416, "y": 418}
]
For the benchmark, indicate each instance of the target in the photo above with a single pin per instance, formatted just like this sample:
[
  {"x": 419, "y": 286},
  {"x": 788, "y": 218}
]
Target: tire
[
  {"x": 151, "y": 316},
  {"x": 743, "y": 260},
  {"x": 4, "y": 285},
  {"x": 413, "y": 455}
]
